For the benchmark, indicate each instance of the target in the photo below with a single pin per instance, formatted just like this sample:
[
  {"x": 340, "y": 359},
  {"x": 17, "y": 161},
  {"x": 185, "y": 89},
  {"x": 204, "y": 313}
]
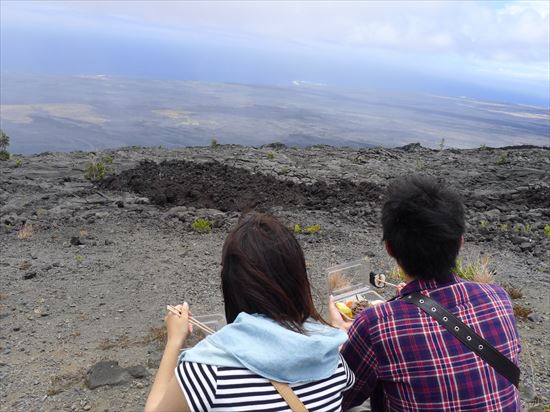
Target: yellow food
[{"x": 344, "y": 310}]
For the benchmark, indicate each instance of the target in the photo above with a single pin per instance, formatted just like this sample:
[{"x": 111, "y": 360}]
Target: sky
[{"x": 498, "y": 50}]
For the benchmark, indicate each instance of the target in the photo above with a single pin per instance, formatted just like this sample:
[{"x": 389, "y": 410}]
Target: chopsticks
[
  {"x": 198, "y": 324},
  {"x": 388, "y": 283}
]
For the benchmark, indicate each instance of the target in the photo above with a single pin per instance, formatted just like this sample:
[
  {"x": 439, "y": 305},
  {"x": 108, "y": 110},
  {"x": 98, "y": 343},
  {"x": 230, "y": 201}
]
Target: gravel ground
[{"x": 87, "y": 269}]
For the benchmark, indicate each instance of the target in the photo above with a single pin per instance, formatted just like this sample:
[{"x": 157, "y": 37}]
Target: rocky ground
[{"x": 87, "y": 269}]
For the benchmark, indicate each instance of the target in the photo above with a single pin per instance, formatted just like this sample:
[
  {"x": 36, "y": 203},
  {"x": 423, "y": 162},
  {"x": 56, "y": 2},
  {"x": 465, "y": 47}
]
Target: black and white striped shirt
[{"x": 214, "y": 388}]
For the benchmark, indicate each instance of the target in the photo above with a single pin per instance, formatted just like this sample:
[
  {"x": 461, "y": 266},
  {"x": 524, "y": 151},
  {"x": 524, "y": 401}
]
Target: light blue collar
[{"x": 270, "y": 350}]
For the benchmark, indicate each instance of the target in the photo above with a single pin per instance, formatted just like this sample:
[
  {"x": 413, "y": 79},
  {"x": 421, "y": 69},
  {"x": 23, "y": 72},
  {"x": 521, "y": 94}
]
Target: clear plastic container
[
  {"x": 215, "y": 321},
  {"x": 349, "y": 284}
]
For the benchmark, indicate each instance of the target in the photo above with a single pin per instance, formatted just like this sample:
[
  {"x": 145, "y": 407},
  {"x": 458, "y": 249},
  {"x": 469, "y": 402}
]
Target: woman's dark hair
[
  {"x": 264, "y": 272},
  {"x": 423, "y": 223}
]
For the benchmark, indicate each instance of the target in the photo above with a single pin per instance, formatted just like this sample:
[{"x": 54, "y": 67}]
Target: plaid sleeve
[{"x": 361, "y": 359}]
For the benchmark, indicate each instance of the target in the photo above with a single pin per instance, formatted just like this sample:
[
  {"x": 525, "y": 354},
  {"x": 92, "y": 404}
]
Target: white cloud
[{"x": 517, "y": 31}]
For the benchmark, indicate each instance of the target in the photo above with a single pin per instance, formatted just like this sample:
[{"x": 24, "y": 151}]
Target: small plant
[
  {"x": 504, "y": 227},
  {"x": 483, "y": 223},
  {"x": 18, "y": 162},
  {"x": 312, "y": 228},
  {"x": 483, "y": 147},
  {"x": 521, "y": 312},
  {"x": 338, "y": 280},
  {"x": 121, "y": 341},
  {"x": 547, "y": 230},
  {"x": 157, "y": 334},
  {"x": 513, "y": 292},
  {"x": 83, "y": 232},
  {"x": 397, "y": 273},
  {"x": 214, "y": 143},
  {"x": 95, "y": 171},
  {"x": 503, "y": 159},
  {"x": 528, "y": 228},
  {"x": 25, "y": 232},
  {"x": 108, "y": 159},
  {"x": 476, "y": 271},
  {"x": 297, "y": 229},
  {"x": 202, "y": 226},
  {"x": 270, "y": 155},
  {"x": 4, "y": 143},
  {"x": 78, "y": 259},
  {"x": 442, "y": 144},
  {"x": 518, "y": 228}
]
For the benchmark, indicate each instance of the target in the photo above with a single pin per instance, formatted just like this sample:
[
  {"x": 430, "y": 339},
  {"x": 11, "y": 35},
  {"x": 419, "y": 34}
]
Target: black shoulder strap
[{"x": 466, "y": 335}]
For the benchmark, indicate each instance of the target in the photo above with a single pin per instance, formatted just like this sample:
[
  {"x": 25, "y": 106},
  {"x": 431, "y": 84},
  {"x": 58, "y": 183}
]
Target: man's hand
[
  {"x": 335, "y": 317},
  {"x": 400, "y": 286},
  {"x": 178, "y": 327}
]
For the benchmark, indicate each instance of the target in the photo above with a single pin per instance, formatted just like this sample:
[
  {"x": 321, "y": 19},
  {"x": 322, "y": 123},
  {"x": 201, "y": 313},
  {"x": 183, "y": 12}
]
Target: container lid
[{"x": 349, "y": 278}]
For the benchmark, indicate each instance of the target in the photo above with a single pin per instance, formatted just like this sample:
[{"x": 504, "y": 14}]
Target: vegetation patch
[
  {"x": 4, "y": 143},
  {"x": 312, "y": 229},
  {"x": 26, "y": 232},
  {"x": 64, "y": 381},
  {"x": 513, "y": 292},
  {"x": 521, "y": 312},
  {"x": 95, "y": 171},
  {"x": 475, "y": 271},
  {"x": 202, "y": 225}
]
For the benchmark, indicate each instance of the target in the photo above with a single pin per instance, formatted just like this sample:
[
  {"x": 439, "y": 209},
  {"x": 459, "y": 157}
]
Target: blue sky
[{"x": 497, "y": 49}]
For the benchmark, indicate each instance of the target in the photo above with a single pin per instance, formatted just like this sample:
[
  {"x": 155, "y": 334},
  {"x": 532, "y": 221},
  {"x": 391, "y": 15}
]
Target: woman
[{"x": 274, "y": 334}]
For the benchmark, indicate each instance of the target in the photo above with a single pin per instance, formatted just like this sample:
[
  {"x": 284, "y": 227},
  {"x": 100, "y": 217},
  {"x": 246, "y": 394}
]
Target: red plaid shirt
[{"x": 420, "y": 365}]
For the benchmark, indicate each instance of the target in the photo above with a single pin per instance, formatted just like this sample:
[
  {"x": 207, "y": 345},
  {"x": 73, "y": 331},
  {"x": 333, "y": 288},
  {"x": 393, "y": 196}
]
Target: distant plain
[{"x": 67, "y": 113}]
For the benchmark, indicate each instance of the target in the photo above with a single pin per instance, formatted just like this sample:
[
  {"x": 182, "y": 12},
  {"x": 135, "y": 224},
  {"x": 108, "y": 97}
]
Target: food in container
[{"x": 349, "y": 284}]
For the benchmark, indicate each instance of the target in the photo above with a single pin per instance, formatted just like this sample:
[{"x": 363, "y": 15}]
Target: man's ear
[{"x": 389, "y": 248}]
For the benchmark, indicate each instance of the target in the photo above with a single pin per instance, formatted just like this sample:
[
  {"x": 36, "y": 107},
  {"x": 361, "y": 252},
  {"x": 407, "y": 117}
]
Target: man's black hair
[{"x": 423, "y": 223}]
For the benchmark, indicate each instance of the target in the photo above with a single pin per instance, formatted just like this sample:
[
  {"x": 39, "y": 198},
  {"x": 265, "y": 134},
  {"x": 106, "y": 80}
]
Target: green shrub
[
  {"x": 4, "y": 155},
  {"x": 270, "y": 155},
  {"x": 297, "y": 229},
  {"x": 95, "y": 171},
  {"x": 18, "y": 163},
  {"x": 202, "y": 226},
  {"x": 547, "y": 230},
  {"x": 483, "y": 223},
  {"x": 476, "y": 271},
  {"x": 483, "y": 147},
  {"x": 504, "y": 227},
  {"x": 214, "y": 143},
  {"x": 312, "y": 229},
  {"x": 4, "y": 141},
  {"x": 108, "y": 159},
  {"x": 503, "y": 159},
  {"x": 78, "y": 259}
]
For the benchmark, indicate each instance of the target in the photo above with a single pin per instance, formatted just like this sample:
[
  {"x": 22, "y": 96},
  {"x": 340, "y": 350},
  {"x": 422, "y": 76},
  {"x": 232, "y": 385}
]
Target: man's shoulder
[{"x": 456, "y": 294}]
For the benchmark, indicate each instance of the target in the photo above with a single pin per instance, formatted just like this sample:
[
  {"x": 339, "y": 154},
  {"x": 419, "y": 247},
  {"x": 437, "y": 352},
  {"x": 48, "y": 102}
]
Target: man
[{"x": 403, "y": 359}]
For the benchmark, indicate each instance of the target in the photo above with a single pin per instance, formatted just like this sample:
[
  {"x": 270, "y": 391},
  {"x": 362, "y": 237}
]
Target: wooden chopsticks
[{"x": 198, "y": 324}]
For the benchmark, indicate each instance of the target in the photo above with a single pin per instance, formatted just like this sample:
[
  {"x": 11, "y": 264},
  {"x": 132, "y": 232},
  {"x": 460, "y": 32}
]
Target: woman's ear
[{"x": 389, "y": 248}]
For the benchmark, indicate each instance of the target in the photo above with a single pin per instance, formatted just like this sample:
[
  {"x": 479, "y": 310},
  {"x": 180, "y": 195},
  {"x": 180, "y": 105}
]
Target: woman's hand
[
  {"x": 178, "y": 327},
  {"x": 335, "y": 317}
]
